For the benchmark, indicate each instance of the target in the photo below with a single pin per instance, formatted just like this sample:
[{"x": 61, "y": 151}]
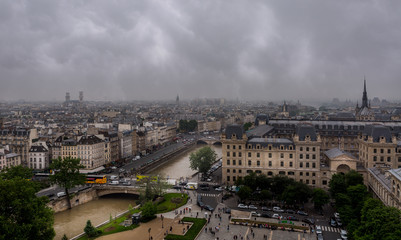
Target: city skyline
[{"x": 124, "y": 51}]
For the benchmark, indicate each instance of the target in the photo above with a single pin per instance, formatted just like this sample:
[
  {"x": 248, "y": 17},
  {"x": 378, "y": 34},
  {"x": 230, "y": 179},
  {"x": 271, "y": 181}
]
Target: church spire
[{"x": 365, "y": 95}]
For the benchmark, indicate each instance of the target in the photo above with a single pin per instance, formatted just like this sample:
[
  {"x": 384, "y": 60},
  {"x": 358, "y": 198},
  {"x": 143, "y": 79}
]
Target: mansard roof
[
  {"x": 236, "y": 130},
  {"x": 87, "y": 140},
  {"x": 304, "y": 131},
  {"x": 38, "y": 149},
  {"x": 259, "y": 131},
  {"x": 275, "y": 142},
  {"x": 377, "y": 132}
]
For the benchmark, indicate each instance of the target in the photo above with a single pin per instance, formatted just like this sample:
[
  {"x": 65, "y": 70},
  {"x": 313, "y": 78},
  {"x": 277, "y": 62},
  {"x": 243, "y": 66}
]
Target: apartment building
[
  {"x": 91, "y": 151},
  {"x": 38, "y": 158},
  {"x": 19, "y": 141}
]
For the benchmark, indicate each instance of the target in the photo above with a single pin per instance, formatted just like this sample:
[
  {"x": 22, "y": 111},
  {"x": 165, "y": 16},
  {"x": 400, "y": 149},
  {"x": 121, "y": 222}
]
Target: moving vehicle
[
  {"x": 191, "y": 186},
  {"x": 302, "y": 213},
  {"x": 333, "y": 222},
  {"x": 243, "y": 206},
  {"x": 308, "y": 221},
  {"x": 320, "y": 237},
  {"x": 114, "y": 183},
  {"x": 96, "y": 179},
  {"x": 208, "y": 207},
  {"x": 61, "y": 194},
  {"x": 255, "y": 214},
  {"x": 278, "y": 209},
  {"x": 318, "y": 230},
  {"x": 343, "y": 235}
]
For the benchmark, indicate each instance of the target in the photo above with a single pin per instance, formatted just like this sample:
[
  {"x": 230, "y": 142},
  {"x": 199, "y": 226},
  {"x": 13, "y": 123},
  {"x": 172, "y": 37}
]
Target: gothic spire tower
[{"x": 365, "y": 95}]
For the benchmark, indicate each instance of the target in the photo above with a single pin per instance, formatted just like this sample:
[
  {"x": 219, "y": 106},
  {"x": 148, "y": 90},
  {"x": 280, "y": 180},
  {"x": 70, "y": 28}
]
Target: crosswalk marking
[
  {"x": 208, "y": 194},
  {"x": 330, "y": 229}
]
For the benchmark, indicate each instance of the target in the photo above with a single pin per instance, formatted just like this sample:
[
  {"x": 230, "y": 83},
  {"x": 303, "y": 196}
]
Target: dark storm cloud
[{"x": 270, "y": 50}]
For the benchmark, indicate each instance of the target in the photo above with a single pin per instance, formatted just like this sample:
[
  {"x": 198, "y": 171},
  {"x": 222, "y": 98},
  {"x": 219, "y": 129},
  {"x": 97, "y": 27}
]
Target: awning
[{"x": 92, "y": 170}]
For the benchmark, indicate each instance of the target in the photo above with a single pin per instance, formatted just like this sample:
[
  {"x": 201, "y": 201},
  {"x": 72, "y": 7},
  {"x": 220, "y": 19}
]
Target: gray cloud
[{"x": 131, "y": 50}]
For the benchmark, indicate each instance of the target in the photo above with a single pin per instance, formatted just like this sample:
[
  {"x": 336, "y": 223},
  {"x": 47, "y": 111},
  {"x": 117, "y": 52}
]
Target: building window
[
  {"x": 301, "y": 156},
  {"x": 388, "y": 159},
  {"x": 270, "y": 163},
  {"x": 324, "y": 182},
  {"x": 270, "y": 147},
  {"x": 249, "y": 163},
  {"x": 307, "y": 156},
  {"x": 290, "y": 155},
  {"x": 307, "y": 165},
  {"x": 258, "y": 163},
  {"x": 239, "y": 171},
  {"x": 270, "y": 155},
  {"x": 313, "y": 165},
  {"x": 281, "y": 173},
  {"x": 301, "y": 149},
  {"x": 234, "y": 171},
  {"x": 228, "y": 162},
  {"x": 240, "y": 162},
  {"x": 313, "y": 156},
  {"x": 233, "y": 147},
  {"x": 381, "y": 159},
  {"x": 258, "y": 155},
  {"x": 234, "y": 155},
  {"x": 239, "y": 147},
  {"x": 381, "y": 150},
  {"x": 249, "y": 171},
  {"x": 313, "y": 174},
  {"x": 228, "y": 146},
  {"x": 314, "y": 149},
  {"x": 307, "y": 149},
  {"x": 313, "y": 181},
  {"x": 307, "y": 174},
  {"x": 234, "y": 162},
  {"x": 249, "y": 154},
  {"x": 307, "y": 181},
  {"x": 234, "y": 178},
  {"x": 374, "y": 158},
  {"x": 282, "y": 164},
  {"x": 389, "y": 150},
  {"x": 301, "y": 165},
  {"x": 239, "y": 154},
  {"x": 228, "y": 178},
  {"x": 269, "y": 173},
  {"x": 228, "y": 154},
  {"x": 374, "y": 150},
  {"x": 301, "y": 173},
  {"x": 291, "y": 173},
  {"x": 228, "y": 170},
  {"x": 290, "y": 164}
]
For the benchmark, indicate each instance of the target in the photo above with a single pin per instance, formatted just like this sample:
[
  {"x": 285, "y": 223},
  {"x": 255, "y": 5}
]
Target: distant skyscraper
[
  {"x": 67, "y": 97},
  {"x": 81, "y": 96}
]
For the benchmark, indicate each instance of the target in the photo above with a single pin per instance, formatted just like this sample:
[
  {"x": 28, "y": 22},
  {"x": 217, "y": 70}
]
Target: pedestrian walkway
[
  {"x": 330, "y": 229},
  {"x": 209, "y": 194}
]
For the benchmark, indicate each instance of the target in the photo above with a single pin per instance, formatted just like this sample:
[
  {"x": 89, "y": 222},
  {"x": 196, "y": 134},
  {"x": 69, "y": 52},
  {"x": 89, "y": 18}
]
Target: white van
[
  {"x": 113, "y": 177},
  {"x": 61, "y": 194}
]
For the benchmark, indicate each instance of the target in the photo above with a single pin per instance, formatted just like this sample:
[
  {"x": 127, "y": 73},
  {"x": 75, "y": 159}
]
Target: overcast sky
[{"x": 145, "y": 50}]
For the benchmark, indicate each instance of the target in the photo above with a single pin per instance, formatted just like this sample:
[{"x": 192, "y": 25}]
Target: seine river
[{"x": 72, "y": 222}]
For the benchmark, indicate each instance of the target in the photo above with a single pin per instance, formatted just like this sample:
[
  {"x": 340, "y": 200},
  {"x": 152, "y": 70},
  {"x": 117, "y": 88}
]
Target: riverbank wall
[{"x": 81, "y": 197}]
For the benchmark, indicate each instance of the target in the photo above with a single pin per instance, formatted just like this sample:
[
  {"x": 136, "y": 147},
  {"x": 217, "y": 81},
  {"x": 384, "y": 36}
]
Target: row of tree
[
  {"x": 187, "y": 126},
  {"x": 366, "y": 218},
  {"x": 281, "y": 188}
]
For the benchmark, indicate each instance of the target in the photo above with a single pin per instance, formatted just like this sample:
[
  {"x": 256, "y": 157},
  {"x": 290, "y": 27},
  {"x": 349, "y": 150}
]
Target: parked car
[
  {"x": 114, "y": 183},
  {"x": 302, "y": 213},
  {"x": 228, "y": 210},
  {"x": 290, "y": 211},
  {"x": 318, "y": 230},
  {"x": 252, "y": 207},
  {"x": 255, "y": 214},
  {"x": 336, "y": 215},
  {"x": 209, "y": 208},
  {"x": 320, "y": 237},
  {"x": 243, "y": 206},
  {"x": 278, "y": 209},
  {"x": 308, "y": 221},
  {"x": 127, "y": 183},
  {"x": 61, "y": 194},
  {"x": 266, "y": 209},
  {"x": 266, "y": 215},
  {"x": 219, "y": 189},
  {"x": 276, "y": 216},
  {"x": 339, "y": 223},
  {"x": 113, "y": 167}
]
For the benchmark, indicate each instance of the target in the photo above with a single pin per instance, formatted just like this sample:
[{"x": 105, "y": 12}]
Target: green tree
[
  {"x": 192, "y": 124},
  {"x": 337, "y": 185},
  {"x": 319, "y": 198},
  {"x": 90, "y": 230},
  {"x": 296, "y": 193},
  {"x": 265, "y": 195},
  {"x": 22, "y": 214},
  {"x": 378, "y": 222},
  {"x": 148, "y": 211},
  {"x": 247, "y": 126},
  {"x": 64, "y": 237},
  {"x": 244, "y": 192},
  {"x": 202, "y": 159},
  {"x": 16, "y": 172},
  {"x": 66, "y": 174},
  {"x": 353, "y": 178}
]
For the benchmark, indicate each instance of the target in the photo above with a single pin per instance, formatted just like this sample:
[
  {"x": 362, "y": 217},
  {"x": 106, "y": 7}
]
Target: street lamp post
[{"x": 161, "y": 216}]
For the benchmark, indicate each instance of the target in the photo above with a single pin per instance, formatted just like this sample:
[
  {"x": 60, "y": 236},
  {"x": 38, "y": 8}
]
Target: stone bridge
[
  {"x": 209, "y": 141},
  {"x": 112, "y": 189}
]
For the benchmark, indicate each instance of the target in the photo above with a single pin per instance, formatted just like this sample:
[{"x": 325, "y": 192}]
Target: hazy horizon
[{"x": 311, "y": 51}]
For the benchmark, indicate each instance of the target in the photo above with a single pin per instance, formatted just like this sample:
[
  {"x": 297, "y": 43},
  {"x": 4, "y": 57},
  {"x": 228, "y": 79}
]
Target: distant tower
[
  {"x": 365, "y": 95},
  {"x": 177, "y": 100},
  {"x": 81, "y": 96},
  {"x": 67, "y": 97}
]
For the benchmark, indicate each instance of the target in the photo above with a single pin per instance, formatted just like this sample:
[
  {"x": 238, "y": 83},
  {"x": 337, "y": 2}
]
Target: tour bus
[
  {"x": 96, "y": 179},
  {"x": 191, "y": 186}
]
